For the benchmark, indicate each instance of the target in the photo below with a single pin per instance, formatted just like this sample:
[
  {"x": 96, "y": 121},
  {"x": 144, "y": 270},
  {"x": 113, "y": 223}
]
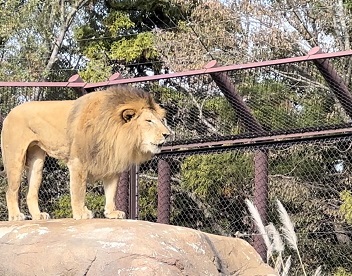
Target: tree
[
  {"x": 118, "y": 36},
  {"x": 30, "y": 52},
  {"x": 210, "y": 31}
]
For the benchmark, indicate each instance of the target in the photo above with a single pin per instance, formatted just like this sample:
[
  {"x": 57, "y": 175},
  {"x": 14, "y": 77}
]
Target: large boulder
[{"x": 121, "y": 247}]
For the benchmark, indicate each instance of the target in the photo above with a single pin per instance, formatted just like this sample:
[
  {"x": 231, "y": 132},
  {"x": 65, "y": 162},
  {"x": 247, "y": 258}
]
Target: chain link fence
[
  {"x": 266, "y": 132},
  {"x": 209, "y": 188}
]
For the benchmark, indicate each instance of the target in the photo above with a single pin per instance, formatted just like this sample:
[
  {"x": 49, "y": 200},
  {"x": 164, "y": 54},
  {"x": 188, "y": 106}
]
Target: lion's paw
[
  {"x": 85, "y": 214},
  {"x": 115, "y": 215},
  {"x": 41, "y": 216},
  {"x": 16, "y": 217}
]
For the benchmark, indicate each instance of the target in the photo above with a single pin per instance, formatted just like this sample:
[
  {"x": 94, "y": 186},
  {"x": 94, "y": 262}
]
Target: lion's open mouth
[{"x": 157, "y": 145}]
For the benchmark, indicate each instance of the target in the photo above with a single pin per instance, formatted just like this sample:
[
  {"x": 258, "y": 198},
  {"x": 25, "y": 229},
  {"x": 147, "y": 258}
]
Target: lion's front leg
[
  {"x": 78, "y": 184},
  {"x": 110, "y": 188}
]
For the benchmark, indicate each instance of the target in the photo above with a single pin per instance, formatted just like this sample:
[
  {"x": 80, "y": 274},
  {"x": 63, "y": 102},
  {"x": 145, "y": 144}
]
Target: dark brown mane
[{"x": 124, "y": 94}]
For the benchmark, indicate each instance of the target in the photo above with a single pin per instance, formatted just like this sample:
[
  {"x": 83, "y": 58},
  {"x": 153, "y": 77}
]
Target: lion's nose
[{"x": 166, "y": 135}]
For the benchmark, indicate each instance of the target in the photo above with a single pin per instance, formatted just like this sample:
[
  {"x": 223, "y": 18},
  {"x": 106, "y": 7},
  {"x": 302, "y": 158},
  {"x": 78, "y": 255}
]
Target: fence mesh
[
  {"x": 209, "y": 185},
  {"x": 281, "y": 98},
  {"x": 209, "y": 189}
]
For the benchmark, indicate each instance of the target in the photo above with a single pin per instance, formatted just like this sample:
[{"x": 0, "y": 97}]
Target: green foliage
[
  {"x": 153, "y": 13},
  {"x": 96, "y": 71},
  {"x": 271, "y": 103},
  {"x": 342, "y": 272},
  {"x": 219, "y": 107},
  {"x": 3, "y": 207},
  {"x": 216, "y": 175},
  {"x": 27, "y": 50},
  {"x": 117, "y": 22},
  {"x": 276, "y": 105},
  {"x": 99, "y": 52},
  {"x": 301, "y": 176},
  {"x": 94, "y": 202},
  {"x": 148, "y": 199},
  {"x": 118, "y": 37},
  {"x": 348, "y": 4},
  {"x": 301, "y": 163},
  {"x": 131, "y": 50},
  {"x": 187, "y": 111},
  {"x": 346, "y": 206}
]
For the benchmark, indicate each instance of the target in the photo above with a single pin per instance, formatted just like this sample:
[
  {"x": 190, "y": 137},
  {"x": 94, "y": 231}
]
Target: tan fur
[{"x": 98, "y": 135}]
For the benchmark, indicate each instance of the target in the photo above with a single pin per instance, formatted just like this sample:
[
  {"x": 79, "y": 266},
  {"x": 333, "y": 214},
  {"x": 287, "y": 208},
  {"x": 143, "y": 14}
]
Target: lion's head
[
  {"x": 116, "y": 128},
  {"x": 150, "y": 125}
]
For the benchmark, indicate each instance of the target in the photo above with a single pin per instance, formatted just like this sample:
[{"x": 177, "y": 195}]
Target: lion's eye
[{"x": 149, "y": 121}]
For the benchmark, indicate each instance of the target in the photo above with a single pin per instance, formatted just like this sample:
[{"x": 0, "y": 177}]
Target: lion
[{"x": 99, "y": 136}]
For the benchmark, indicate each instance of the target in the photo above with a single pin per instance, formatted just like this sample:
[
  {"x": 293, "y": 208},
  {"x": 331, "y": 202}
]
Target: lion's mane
[{"x": 108, "y": 144}]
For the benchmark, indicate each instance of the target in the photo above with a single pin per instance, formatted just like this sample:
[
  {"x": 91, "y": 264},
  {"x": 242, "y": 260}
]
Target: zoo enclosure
[{"x": 220, "y": 122}]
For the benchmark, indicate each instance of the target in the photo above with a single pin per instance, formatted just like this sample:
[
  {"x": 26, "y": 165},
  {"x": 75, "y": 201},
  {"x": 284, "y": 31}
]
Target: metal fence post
[
  {"x": 122, "y": 193},
  {"x": 251, "y": 124},
  {"x": 133, "y": 214},
  {"x": 164, "y": 191},
  {"x": 261, "y": 180}
]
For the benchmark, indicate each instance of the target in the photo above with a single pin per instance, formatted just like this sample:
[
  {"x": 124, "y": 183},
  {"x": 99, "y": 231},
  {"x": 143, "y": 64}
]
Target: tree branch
[
  {"x": 66, "y": 22},
  {"x": 201, "y": 117}
]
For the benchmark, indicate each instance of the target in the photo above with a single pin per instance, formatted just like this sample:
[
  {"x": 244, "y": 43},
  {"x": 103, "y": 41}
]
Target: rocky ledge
[{"x": 121, "y": 247}]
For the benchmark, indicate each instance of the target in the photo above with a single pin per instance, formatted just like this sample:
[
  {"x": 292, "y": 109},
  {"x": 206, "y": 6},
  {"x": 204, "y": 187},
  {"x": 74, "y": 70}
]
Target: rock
[{"x": 121, "y": 247}]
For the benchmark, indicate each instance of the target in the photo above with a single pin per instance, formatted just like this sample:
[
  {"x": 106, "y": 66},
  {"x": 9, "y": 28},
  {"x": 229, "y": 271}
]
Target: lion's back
[{"x": 40, "y": 122}]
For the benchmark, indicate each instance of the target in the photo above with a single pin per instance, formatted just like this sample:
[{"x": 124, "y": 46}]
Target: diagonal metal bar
[
  {"x": 242, "y": 111},
  {"x": 335, "y": 82}
]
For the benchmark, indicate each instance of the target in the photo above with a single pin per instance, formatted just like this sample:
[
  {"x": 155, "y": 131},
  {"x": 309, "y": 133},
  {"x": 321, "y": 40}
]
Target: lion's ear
[{"x": 128, "y": 114}]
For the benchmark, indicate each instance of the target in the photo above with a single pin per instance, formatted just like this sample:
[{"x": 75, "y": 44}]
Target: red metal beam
[
  {"x": 134, "y": 206},
  {"x": 226, "y": 68},
  {"x": 38, "y": 84},
  {"x": 252, "y": 141},
  {"x": 182, "y": 74}
]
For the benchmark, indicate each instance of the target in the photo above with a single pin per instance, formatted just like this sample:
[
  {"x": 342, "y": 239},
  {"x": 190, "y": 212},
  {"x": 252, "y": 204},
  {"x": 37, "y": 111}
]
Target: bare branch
[
  {"x": 200, "y": 116},
  {"x": 65, "y": 24}
]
